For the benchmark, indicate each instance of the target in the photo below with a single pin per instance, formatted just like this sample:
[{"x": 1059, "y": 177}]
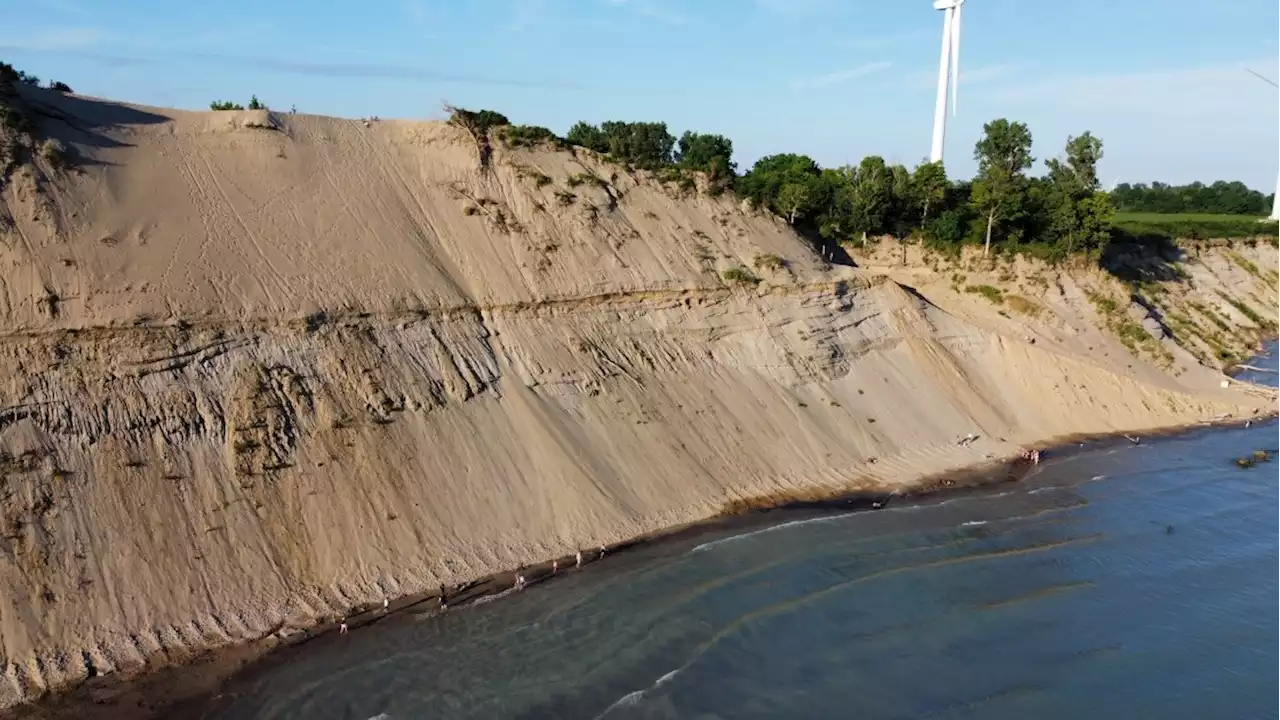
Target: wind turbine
[
  {"x": 948, "y": 71},
  {"x": 1275, "y": 202}
]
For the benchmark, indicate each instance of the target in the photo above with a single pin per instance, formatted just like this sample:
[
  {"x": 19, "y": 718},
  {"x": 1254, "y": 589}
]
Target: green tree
[
  {"x": 930, "y": 183},
  {"x": 706, "y": 152},
  {"x": 764, "y": 182},
  {"x": 1083, "y": 154},
  {"x": 254, "y": 104},
  {"x": 1222, "y": 197},
  {"x": 1076, "y": 207},
  {"x": 224, "y": 105},
  {"x": 643, "y": 144},
  {"x": 793, "y": 201},
  {"x": 835, "y": 220},
  {"x": 588, "y": 136},
  {"x": 872, "y": 195},
  {"x": 1003, "y": 155},
  {"x": 1096, "y": 216}
]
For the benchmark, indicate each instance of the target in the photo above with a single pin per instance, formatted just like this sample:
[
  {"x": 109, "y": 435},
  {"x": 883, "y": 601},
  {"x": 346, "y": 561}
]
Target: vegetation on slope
[{"x": 1003, "y": 209}]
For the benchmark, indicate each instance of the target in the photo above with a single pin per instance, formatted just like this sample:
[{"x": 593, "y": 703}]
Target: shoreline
[{"x": 182, "y": 686}]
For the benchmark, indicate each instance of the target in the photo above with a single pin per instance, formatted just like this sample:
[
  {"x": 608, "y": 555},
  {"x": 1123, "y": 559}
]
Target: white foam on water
[
  {"x": 771, "y": 528},
  {"x": 381, "y": 716},
  {"x": 842, "y": 516},
  {"x": 634, "y": 697},
  {"x": 973, "y": 523},
  {"x": 627, "y": 700},
  {"x": 491, "y": 598}
]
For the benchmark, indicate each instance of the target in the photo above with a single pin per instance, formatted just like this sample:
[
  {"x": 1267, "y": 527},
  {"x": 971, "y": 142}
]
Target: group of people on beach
[{"x": 520, "y": 584}]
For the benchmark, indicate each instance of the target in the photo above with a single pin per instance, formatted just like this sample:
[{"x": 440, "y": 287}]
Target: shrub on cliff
[
  {"x": 528, "y": 136},
  {"x": 54, "y": 153},
  {"x": 478, "y": 123},
  {"x": 740, "y": 276}
]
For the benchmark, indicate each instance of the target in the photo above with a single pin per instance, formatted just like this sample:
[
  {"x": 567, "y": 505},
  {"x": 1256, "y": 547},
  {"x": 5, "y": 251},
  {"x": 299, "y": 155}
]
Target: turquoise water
[{"x": 1123, "y": 581}]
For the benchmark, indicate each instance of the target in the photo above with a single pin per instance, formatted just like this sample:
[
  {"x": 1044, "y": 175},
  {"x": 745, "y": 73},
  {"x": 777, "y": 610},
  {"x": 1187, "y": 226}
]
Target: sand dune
[{"x": 256, "y": 369}]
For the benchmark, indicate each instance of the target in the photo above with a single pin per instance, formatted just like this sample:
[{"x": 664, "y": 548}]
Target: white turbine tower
[
  {"x": 1275, "y": 203},
  {"x": 948, "y": 72}
]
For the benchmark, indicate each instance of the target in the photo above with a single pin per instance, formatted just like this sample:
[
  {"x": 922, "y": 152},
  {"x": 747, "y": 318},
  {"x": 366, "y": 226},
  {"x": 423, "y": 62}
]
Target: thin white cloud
[
  {"x": 842, "y": 76},
  {"x": 56, "y": 38}
]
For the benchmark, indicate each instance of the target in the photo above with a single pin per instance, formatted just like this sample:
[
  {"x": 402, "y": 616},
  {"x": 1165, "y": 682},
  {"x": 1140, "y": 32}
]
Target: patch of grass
[
  {"x": 1247, "y": 311},
  {"x": 682, "y": 178},
  {"x": 992, "y": 293},
  {"x": 1244, "y": 264},
  {"x": 1123, "y": 217},
  {"x": 1104, "y": 304},
  {"x": 1024, "y": 306},
  {"x": 1132, "y": 334},
  {"x": 566, "y": 198},
  {"x": 585, "y": 179},
  {"x": 1194, "y": 226},
  {"x": 1212, "y": 316},
  {"x": 769, "y": 262},
  {"x": 740, "y": 276},
  {"x": 54, "y": 152},
  {"x": 538, "y": 177}
]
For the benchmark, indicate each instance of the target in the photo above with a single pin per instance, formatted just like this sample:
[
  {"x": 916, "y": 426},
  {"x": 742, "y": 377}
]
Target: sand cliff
[{"x": 256, "y": 369}]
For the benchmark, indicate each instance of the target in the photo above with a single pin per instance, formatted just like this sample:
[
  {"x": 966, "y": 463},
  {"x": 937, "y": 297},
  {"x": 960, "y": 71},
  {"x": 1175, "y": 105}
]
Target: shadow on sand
[{"x": 80, "y": 122}]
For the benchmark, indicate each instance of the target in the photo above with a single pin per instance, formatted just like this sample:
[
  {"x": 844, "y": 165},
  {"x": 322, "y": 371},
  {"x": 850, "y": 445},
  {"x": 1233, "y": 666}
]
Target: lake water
[{"x": 1124, "y": 581}]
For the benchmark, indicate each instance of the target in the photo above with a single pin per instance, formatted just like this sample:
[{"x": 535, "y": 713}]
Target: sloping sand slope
[{"x": 255, "y": 370}]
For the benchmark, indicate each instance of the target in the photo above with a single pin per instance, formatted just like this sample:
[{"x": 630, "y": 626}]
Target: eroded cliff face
[{"x": 255, "y": 371}]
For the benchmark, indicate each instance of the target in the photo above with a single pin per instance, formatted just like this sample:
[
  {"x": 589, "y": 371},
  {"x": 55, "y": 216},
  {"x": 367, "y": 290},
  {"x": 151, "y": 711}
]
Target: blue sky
[{"x": 1163, "y": 82}]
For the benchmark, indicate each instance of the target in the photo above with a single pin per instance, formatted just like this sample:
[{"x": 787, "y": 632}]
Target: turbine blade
[
  {"x": 955, "y": 60},
  {"x": 1261, "y": 77}
]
